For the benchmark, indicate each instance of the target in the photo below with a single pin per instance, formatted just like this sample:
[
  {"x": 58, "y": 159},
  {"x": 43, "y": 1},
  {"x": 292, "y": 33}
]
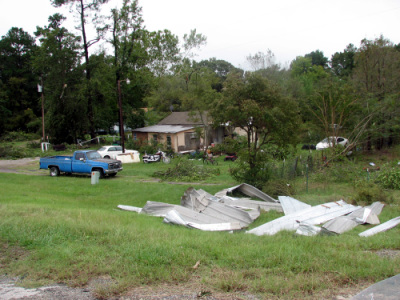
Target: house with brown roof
[{"x": 180, "y": 131}]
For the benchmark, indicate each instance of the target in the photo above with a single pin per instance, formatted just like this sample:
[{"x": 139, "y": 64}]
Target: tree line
[{"x": 354, "y": 93}]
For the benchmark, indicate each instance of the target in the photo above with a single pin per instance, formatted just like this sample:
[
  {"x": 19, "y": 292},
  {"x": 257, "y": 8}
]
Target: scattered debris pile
[
  {"x": 222, "y": 212},
  {"x": 204, "y": 211}
]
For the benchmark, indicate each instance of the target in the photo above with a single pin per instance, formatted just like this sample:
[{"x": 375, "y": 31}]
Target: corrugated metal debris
[
  {"x": 204, "y": 211},
  {"x": 381, "y": 228},
  {"x": 248, "y": 190},
  {"x": 312, "y": 215},
  {"x": 222, "y": 212},
  {"x": 388, "y": 289}
]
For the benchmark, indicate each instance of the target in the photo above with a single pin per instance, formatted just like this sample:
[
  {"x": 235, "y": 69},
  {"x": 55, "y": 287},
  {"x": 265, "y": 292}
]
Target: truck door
[{"x": 81, "y": 166}]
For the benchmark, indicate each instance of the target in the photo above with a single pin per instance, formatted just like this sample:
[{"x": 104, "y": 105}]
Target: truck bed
[{"x": 63, "y": 162}]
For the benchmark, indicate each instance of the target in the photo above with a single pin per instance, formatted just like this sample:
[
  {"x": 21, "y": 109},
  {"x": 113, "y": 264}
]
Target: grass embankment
[{"x": 66, "y": 230}]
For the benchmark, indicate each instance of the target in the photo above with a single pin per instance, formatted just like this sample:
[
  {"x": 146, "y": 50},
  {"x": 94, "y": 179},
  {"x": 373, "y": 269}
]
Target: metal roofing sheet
[
  {"x": 313, "y": 216},
  {"x": 163, "y": 128},
  {"x": 248, "y": 190},
  {"x": 380, "y": 228},
  {"x": 291, "y": 205},
  {"x": 340, "y": 225}
]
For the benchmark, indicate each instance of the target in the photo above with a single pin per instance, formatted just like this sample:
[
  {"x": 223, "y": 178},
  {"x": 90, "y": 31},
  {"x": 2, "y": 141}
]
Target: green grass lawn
[{"x": 66, "y": 230}]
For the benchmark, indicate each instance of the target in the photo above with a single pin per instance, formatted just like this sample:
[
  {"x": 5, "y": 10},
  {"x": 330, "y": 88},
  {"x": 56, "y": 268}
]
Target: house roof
[
  {"x": 183, "y": 118},
  {"x": 163, "y": 128}
]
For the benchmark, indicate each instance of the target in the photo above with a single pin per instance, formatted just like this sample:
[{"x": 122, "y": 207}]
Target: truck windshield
[{"x": 93, "y": 155}]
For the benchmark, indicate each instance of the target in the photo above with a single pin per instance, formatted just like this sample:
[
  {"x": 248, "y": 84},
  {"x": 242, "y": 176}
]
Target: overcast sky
[{"x": 237, "y": 28}]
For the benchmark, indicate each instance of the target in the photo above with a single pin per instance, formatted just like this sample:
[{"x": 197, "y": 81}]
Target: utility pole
[
  {"x": 121, "y": 119},
  {"x": 40, "y": 90}
]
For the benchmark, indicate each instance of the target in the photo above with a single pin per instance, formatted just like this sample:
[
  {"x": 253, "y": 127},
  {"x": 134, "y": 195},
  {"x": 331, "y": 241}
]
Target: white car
[
  {"x": 331, "y": 141},
  {"x": 115, "y": 152}
]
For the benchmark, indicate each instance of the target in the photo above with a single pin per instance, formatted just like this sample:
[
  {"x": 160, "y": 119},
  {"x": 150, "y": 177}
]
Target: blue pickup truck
[{"x": 83, "y": 162}]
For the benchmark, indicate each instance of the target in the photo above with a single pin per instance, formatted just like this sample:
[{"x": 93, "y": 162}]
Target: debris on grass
[{"x": 222, "y": 212}]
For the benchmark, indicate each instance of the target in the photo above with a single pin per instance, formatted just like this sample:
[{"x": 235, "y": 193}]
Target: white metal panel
[
  {"x": 381, "y": 228},
  {"x": 291, "y": 205},
  {"x": 340, "y": 224},
  {"x": 130, "y": 208},
  {"x": 308, "y": 229},
  {"x": 250, "y": 191},
  {"x": 313, "y": 215}
]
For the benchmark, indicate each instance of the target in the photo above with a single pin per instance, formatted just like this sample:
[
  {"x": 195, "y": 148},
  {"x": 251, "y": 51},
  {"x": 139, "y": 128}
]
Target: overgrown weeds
[
  {"x": 187, "y": 170},
  {"x": 18, "y": 136},
  {"x": 389, "y": 177},
  {"x": 367, "y": 193}
]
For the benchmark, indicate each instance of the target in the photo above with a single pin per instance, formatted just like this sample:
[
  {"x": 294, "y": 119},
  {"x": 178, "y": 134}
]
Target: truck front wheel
[
  {"x": 54, "y": 171},
  {"x": 100, "y": 171}
]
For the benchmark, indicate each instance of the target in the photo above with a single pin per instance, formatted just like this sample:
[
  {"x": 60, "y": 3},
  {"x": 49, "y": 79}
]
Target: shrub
[
  {"x": 186, "y": 170},
  {"x": 18, "y": 136},
  {"x": 133, "y": 145},
  {"x": 368, "y": 192},
  {"x": 256, "y": 176},
  {"x": 389, "y": 179},
  {"x": 230, "y": 145},
  {"x": 33, "y": 145},
  {"x": 278, "y": 187},
  {"x": 11, "y": 152}
]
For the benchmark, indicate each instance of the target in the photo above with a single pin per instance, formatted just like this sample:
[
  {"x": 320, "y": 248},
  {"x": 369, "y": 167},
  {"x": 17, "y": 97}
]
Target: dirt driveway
[{"x": 22, "y": 166}]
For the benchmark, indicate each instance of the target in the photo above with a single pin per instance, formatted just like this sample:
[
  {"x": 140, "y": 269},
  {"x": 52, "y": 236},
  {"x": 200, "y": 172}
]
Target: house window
[
  {"x": 168, "y": 140},
  {"x": 135, "y": 136},
  {"x": 155, "y": 138}
]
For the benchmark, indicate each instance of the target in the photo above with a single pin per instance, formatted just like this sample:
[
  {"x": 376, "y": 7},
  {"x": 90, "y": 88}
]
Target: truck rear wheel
[{"x": 54, "y": 171}]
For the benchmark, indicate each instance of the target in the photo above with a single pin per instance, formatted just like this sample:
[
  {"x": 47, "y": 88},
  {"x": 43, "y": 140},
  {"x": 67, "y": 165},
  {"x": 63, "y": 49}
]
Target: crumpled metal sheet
[
  {"x": 221, "y": 212},
  {"x": 340, "y": 224},
  {"x": 248, "y": 204},
  {"x": 381, "y": 228},
  {"x": 197, "y": 201},
  {"x": 368, "y": 214},
  {"x": 248, "y": 190},
  {"x": 204, "y": 211},
  {"x": 174, "y": 217},
  {"x": 291, "y": 205},
  {"x": 314, "y": 215},
  {"x": 388, "y": 289},
  {"x": 308, "y": 229}
]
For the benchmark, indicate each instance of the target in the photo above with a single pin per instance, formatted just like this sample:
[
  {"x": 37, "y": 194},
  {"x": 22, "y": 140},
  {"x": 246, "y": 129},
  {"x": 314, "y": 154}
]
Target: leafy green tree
[
  {"x": 83, "y": 9},
  {"x": 258, "y": 107},
  {"x": 333, "y": 107},
  {"x": 317, "y": 58},
  {"x": 192, "y": 41},
  {"x": 261, "y": 60},
  {"x": 169, "y": 94},
  {"x": 221, "y": 68},
  {"x": 376, "y": 77},
  {"x": 104, "y": 91},
  {"x": 138, "y": 55},
  {"x": 182, "y": 88},
  {"x": 301, "y": 65},
  {"x": 342, "y": 63},
  {"x": 18, "y": 97},
  {"x": 162, "y": 51},
  {"x": 57, "y": 61},
  {"x": 305, "y": 79}
]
